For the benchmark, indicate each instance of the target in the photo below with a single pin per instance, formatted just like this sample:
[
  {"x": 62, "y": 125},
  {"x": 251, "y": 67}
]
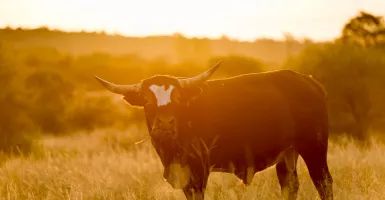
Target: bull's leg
[
  {"x": 193, "y": 193},
  {"x": 315, "y": 157},
  {"x": 195, "y": 190},
  {"x": 287, "y": 175}
]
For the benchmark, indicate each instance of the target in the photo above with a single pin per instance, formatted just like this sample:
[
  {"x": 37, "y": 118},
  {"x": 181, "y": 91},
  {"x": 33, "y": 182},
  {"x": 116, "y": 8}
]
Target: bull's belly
[
  {"x": 245, "y": 168},
  {"x": 260, "y": 164}
]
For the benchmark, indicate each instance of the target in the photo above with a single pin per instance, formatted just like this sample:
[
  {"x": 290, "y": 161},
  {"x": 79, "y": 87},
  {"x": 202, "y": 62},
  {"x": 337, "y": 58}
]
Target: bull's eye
[{"x": 149, "y": 98}]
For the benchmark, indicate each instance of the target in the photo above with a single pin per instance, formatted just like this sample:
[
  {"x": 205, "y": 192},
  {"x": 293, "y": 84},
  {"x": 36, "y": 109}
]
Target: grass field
[{"x": 106, "y": 164}]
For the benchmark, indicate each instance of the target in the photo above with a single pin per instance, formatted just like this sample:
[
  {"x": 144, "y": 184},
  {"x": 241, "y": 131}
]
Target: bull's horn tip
[
  {"x": 218, "y": 63},
  {"x": 98, "y": 78}
]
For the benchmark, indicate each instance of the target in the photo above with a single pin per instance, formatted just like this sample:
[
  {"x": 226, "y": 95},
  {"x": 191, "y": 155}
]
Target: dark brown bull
[{"x": 239, "y": 125}]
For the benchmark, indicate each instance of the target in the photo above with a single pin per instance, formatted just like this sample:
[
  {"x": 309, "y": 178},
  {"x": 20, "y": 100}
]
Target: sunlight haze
[{"x": 241, "y": 19}]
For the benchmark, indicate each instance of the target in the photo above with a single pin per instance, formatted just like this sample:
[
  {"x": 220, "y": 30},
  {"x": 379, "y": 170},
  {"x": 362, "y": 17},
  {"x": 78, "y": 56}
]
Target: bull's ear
[{"x": 134, "y": 99}]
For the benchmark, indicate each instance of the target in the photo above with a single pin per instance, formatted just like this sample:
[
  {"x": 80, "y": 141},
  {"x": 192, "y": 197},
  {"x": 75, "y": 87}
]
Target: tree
[
  {"x": 352, "y": 69},
  {"x": 289, "y": 39},
  {"x": 365, "y": 30},
  {"x": 353, "y": 80},
  {"x": 181, "y": 47},
  {"x": 15, "y": 126},
  {"x": 48, "y": 93},
  {"x": 201, "y": 49}
]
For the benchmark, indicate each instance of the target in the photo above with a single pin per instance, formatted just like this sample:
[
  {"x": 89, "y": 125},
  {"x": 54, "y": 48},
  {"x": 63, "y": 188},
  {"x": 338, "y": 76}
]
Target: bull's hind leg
[
  {"x": 315, "y": 156},
  {"x": 287, "y": 175}
]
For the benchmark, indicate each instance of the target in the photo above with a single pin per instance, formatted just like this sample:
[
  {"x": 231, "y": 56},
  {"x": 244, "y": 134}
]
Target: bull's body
[
  {"x": 251, "y": 122},
  {"x": 246, "y": 124}
]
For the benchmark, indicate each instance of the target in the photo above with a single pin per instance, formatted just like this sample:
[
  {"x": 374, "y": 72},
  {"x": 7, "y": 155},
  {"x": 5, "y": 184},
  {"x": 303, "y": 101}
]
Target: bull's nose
[
  {"x": 165, "y": 122},
  {"x": 171, "y": 121}
]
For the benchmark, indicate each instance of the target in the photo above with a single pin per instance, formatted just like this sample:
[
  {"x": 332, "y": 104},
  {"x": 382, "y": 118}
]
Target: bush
[
  {"x": 16, "y": 127},
  {"x": 88, "y": 111},
  {"x": 353, "y": 79}
]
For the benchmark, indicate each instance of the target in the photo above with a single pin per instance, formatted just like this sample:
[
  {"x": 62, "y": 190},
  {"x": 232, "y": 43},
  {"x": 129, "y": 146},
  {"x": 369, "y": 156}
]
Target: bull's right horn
[
  {"x": 187, "y": 82},
  {"x": 119, "y": 89}
]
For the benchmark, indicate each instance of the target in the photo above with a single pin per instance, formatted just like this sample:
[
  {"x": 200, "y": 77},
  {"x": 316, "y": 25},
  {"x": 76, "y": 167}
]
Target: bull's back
[
  {"x": 308, "y": 102},
  {"x": 258, "y": 113},
  {"x": 281, "y": 97}
]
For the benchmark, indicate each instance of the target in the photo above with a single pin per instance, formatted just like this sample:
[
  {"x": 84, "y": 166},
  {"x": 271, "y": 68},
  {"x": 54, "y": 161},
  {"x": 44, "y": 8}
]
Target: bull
[{"x": 240, "y": 125}]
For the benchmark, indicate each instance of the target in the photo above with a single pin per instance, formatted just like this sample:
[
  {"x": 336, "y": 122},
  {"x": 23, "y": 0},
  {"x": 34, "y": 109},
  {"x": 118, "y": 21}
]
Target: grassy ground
[{"x": 107, "y": 165}]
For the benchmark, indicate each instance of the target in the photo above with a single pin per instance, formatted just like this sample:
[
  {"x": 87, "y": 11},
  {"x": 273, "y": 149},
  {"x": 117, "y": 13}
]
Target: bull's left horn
[
  {"x": 119, "y": 89},
  {"x": 200, "y": 78}
]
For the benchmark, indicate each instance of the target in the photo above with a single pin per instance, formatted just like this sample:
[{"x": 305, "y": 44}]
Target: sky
[{"x": 238, "y": 19}]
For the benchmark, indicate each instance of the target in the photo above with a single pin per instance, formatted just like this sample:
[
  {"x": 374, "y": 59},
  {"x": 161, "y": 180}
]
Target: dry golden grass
[{"x": 107, "y": 165}]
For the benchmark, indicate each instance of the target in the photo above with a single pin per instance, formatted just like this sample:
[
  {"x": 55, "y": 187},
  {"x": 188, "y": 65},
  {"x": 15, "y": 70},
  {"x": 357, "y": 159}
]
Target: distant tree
[
  {"x": 182, "y": 47},
  {"x": 307, "y": 41},
  {"x": 365, "y": 29},
  {"x": 201, "y": 49},
  {"x": 225, "y": 38},
  {"x": 227, "y": 45},
  {"x": 352, "y": 70},
  {"x": 353, "y": 79},
  {"x": 15, "y": 125},
  {"x": 236, "y": 65},
  {"x": 6, "y": 69},
  {"x": 37, "y": 56},
  {"x": 289, "y": 40},
  {"x": 48, "y": 94}
]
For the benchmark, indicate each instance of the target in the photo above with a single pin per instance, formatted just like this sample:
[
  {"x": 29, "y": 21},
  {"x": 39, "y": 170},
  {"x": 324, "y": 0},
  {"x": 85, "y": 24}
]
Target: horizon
[
  {"x": 146, "y": 36},
  {"x": 242, "y": 21}
]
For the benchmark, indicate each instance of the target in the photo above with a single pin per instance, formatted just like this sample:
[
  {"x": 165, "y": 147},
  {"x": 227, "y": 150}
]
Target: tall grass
[{"x": 106, "y": 164}]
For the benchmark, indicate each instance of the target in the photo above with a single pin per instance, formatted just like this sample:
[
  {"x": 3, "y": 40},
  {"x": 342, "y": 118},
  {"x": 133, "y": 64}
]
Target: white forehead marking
[{"x": 162, "y": 95}]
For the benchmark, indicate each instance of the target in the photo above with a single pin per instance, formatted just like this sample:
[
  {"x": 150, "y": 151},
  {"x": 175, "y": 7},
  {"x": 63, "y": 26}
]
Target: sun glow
[{"x": 241, "y": 19}]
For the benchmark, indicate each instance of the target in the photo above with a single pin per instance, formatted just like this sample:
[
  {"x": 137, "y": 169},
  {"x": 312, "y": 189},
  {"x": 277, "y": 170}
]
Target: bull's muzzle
[
  {"x": 165, "y": 123},
  {"x": 165, "y": 126}
]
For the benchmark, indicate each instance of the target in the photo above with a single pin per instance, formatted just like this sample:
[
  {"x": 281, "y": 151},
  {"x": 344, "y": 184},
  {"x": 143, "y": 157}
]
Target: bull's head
[{"x": 165, "y": 99}]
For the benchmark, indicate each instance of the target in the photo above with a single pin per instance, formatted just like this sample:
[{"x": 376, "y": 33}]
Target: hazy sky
[{"x": 241, "y": 19}]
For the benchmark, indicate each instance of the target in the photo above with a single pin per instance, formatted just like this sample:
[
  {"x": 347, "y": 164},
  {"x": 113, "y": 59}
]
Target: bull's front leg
[
  {"x": 195, "y": 190},
  {"x": 194, "y": 193}
]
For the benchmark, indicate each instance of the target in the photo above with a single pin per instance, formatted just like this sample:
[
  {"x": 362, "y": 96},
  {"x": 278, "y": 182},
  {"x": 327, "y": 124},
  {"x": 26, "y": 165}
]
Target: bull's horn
[
  {"x": 200, "y": 78},
  {"x": 119, "y": 89}
]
